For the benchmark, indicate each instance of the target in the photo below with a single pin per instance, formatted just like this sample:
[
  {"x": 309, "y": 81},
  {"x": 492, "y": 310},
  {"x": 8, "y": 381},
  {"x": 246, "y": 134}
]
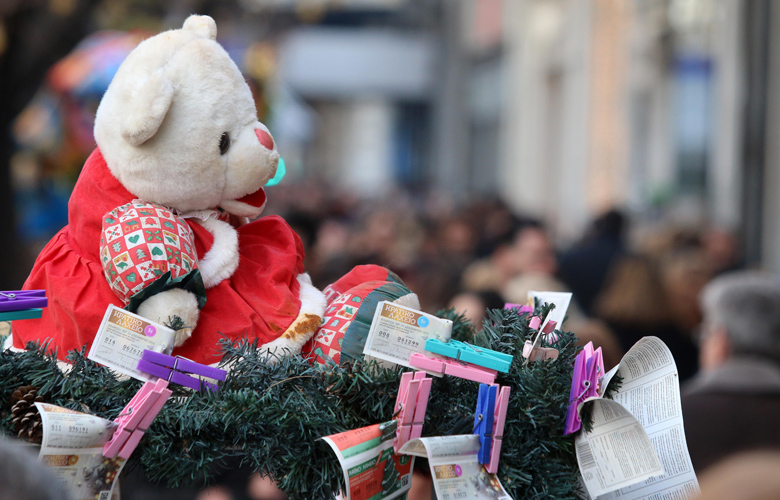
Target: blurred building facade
[
  {"x": 612, "y": 103},
  {"x": 562, "y": 108}
]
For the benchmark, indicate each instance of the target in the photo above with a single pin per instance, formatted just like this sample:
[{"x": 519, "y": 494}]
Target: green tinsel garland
[{"x": 272, "y": 414}]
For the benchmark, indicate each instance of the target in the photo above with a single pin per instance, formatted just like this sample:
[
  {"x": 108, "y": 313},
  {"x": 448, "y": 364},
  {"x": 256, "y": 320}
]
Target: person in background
[
  {"x": 721, "y": 250},
  {"x": 634, "y": 304},
  {"x": 525, "y": 249},
  {"x": 734, "y": 403},
  {"x": 474, "y": 304},
  {"x": 446, "y": 250},
  {"x": 748, "y": 476},
  {"x": 685, "y": 272},
  {"x": 22, "y": 477},
  {"x": 585, "y": 265}
]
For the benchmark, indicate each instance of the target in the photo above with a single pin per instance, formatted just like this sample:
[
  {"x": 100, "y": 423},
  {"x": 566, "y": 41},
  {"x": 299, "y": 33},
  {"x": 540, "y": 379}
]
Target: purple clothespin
[
  {"x": 174, "y": 369},
  {"x": 588, "y": 368},
  {"x": 17, "y": 300}
]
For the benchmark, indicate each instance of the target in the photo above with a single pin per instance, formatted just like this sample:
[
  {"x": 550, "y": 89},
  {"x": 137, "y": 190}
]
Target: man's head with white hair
[
  {"x": 23, "y": 477},
  {"x": 741, "y": 317}
]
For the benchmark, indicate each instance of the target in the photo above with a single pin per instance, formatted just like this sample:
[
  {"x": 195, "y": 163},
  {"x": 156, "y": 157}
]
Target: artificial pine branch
[{"x": 272, "y": 412}]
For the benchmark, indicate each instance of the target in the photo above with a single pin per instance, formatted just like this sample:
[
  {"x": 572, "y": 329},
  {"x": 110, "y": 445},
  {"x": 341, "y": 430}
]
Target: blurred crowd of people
[{"x": 482, "y": 255}]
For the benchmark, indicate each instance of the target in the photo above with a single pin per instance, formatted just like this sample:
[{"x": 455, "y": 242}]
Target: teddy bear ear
[
  {"x": 201, "y": 25},
  {"x": 147, "y": 109}
]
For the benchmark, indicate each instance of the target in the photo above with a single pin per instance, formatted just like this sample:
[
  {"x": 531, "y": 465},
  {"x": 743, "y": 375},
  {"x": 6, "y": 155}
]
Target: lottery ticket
[
  {"x": 122, "y": 338},
  {"x": 397, "y": 332}
]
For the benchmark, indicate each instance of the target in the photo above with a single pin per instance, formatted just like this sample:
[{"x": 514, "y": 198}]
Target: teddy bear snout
[{"x": 265, "y": 139}]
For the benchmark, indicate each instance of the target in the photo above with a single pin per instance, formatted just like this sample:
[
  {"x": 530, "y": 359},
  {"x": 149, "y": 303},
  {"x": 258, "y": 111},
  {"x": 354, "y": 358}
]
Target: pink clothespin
[
  {"x": 524, "y": 308},
  {"x": 548, "y": 330},
  {"x": 410, "y": 406},
  {"x": 136, "y": 418},
  {"x": 588, "y": 364},
  {"x": 453, "y": 367},
  {"x": 502, "y": 404},
  {"x": 422, "y": 404},
  {"x": 595, "y": 368}
]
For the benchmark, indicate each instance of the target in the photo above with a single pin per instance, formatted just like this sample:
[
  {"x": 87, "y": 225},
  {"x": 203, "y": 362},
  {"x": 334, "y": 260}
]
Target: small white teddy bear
[{"x": 177, "y": 133}]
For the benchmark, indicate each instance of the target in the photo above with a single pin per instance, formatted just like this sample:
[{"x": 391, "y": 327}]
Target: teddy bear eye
[{"x": 224, "y": 143}]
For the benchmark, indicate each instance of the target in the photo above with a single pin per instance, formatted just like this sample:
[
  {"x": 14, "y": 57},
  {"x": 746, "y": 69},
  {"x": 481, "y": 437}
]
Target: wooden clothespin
[
  {"x": 531, "y": 350},
  {"x": 136, "y": 418},
  {"x": 175, "y": 369}
]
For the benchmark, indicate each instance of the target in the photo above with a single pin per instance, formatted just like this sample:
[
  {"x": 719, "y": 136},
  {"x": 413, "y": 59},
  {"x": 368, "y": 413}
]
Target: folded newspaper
[
  {"x": 72, "y": 448},
  {"x": 636, "y": 449},
  {"x": 371, "y": 470}
]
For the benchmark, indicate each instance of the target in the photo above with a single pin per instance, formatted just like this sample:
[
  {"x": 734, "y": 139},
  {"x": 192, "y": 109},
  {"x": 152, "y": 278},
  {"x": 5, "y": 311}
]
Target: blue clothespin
[
  {"x": 33, "y": 313},
  {"x": 468, "y": 353},
  {"x": 483, "y": 420}
]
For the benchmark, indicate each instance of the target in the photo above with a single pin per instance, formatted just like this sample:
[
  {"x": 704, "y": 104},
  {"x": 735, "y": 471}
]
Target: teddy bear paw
[{"x": 177, "y": 309}]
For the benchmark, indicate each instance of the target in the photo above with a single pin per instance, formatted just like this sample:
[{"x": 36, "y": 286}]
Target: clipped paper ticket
[
  {"x": 371, "y": 470},
  {"x": 617, "y": 453},
  {"x": 455, "y": 468},
  {"x": 397, "y": 332},
  {"x": 122, "y": 338},
  {"x": 72, "y": 448},
  {"x": 560, "y": 299},
  {"x": 651, "y": 393}
]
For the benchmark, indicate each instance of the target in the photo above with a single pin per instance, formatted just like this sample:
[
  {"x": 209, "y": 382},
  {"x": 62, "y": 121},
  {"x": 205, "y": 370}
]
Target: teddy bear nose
[{"x": 264, "y": 138}]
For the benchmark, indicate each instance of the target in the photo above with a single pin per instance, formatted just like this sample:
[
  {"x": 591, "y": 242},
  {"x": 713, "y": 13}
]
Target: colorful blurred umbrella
[{"x": 89, "y": 68}]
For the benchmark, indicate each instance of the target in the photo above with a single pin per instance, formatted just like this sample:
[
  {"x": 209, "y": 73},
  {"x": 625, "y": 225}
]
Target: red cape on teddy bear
[{"x": 166, "y": 200}]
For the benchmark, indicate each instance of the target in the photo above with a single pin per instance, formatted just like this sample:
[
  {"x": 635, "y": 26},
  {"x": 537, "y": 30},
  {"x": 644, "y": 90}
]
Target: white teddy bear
[{"x": 181, "y": 161}]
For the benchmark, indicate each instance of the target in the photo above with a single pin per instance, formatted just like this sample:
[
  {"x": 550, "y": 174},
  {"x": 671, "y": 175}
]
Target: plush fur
[
  {"x": 222, "y": 259},
  {"x": 177, "y": 127},
  {"x": 163, "y": 306},
  {"x": 309, "y": 320},
  {"x": 161, "y": 127},
  {"x": 161, "y": 120}
]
